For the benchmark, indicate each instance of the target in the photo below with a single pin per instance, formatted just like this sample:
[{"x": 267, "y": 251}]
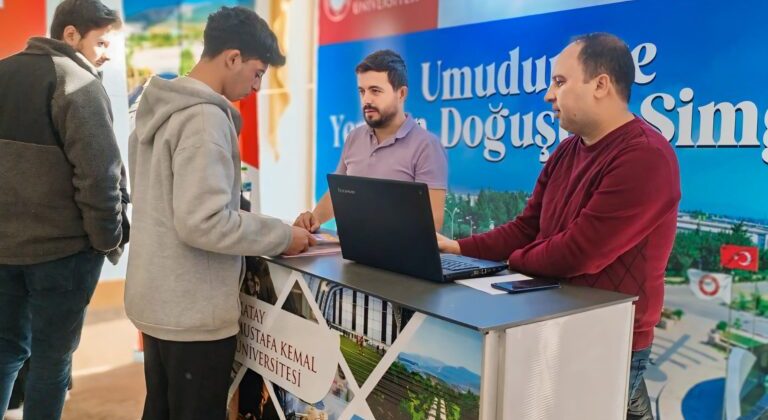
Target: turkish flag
[{"x": 739, "y": 257}]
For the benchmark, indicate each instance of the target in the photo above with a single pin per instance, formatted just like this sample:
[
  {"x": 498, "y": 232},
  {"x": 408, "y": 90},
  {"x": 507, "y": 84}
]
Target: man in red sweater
[{"x": 603, "y": 212}]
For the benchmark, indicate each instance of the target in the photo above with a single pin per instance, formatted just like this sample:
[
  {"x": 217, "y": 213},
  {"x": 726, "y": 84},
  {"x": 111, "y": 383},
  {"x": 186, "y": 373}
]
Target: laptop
[{"x": 388, "y": 224}]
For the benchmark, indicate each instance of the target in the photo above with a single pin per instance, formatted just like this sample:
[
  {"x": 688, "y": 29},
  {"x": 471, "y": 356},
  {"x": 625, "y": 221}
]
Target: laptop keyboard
[{"x": 453, "y": 265}]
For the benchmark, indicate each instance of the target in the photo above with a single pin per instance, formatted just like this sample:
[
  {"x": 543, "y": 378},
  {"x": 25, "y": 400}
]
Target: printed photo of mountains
[
  {"x": 436, "y": 376},
  {"x": 458, "y": 377}
]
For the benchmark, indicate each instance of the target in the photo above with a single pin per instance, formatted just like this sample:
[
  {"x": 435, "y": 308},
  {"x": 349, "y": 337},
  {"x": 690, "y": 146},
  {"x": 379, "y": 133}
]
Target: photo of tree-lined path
[{"x": 435, "y": 376}]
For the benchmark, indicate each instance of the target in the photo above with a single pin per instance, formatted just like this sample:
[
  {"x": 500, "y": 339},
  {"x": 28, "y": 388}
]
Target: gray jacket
[
  {"x": 188, "y": 235},
  {"x": 60, "y": 166}
]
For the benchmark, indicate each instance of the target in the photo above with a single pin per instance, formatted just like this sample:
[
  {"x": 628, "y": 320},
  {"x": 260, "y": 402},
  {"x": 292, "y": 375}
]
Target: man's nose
[{"x": 550, "y": 95}]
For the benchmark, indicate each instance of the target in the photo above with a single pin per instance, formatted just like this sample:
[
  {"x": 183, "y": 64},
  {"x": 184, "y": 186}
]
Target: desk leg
[{"x": 492, "y": 379}]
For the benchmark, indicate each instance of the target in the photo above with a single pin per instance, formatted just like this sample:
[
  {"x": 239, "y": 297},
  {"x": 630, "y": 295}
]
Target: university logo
[{"x": 335, "y": 10}]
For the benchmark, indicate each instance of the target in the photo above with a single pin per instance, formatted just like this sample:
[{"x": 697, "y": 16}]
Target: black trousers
[{"x": 187, "y": 380}]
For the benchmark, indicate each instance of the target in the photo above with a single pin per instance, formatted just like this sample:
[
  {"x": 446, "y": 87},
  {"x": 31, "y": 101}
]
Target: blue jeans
[
  {"x": 639, "y": 407},
  {"x": 42, "y": 308}
]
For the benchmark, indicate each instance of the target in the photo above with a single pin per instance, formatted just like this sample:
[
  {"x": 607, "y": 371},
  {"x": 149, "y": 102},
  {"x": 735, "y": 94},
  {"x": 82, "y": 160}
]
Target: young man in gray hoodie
[
  {"x": 189, "y": 235},
  {"x": 60, "y": 199}
]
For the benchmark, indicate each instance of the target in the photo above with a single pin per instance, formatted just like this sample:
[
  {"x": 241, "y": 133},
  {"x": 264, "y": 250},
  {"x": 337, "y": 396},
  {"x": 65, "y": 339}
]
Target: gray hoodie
[{"x": 188, "y": 235}]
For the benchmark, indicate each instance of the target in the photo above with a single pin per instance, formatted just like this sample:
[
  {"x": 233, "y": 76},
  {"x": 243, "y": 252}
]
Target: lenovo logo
[{"x": 344, "y": 191}]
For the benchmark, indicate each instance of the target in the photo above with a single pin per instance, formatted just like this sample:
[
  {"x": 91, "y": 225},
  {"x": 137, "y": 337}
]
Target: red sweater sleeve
[
  {"x": 497, "y": 244},
  {"x": 636, "y": 192}
]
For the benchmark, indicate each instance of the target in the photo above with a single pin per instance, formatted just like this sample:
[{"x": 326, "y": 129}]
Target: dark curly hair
[
  {"x": 84, "y": 15},
  {"x": 388, "y": 61},
  {"x": 238, "y": 28}
]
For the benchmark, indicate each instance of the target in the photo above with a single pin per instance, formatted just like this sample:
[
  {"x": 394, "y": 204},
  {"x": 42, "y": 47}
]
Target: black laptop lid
[{"x": 386, "y": 224}]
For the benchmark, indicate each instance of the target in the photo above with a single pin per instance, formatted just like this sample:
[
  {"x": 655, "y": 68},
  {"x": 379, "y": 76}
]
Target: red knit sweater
[{"x": 602, "y": 216}]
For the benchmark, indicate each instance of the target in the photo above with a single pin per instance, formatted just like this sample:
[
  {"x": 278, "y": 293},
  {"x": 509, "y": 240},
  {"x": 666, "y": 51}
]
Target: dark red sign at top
[{"x": 351, "y": 20}]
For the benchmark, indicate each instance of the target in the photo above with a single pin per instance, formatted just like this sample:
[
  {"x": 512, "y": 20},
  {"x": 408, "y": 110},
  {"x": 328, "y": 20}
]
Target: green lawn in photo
[
  {"x": 361, "y": 362},
  {"x": 741, "y": 340}
]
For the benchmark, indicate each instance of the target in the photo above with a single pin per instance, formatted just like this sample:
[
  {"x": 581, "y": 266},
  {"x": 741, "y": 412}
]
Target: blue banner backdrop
[{"x": 480, "y": 88}]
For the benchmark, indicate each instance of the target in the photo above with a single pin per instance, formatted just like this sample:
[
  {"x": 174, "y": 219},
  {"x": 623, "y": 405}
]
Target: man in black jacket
[{"x": 60, "y": 199}]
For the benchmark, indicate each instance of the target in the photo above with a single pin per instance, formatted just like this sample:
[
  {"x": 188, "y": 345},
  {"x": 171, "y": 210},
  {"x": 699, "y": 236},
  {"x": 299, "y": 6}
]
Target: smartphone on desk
[{"x": 531, "y": 285}]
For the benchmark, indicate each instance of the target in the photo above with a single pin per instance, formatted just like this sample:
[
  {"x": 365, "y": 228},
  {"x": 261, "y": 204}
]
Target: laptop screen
[{"x": 386, "y": 224}]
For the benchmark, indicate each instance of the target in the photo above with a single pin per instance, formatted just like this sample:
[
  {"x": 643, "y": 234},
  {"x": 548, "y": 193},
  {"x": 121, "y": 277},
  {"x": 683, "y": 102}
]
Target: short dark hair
[
  {"x": 604, "y": 53},
  {"x": 238, "y": 28},
  {"x": 388, "y": 61},
  {"x": 84, "y": 15}
]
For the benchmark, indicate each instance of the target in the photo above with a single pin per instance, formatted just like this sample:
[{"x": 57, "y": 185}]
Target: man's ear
[
  {"x": 603, "y": 85},
  {"x": 232, "y": 58},
  {"x": 402, "y": 93},
  {"x": 71, "y": 36}
]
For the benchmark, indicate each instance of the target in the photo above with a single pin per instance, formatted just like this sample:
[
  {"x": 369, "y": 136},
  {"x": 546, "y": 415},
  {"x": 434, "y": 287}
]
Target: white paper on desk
[
  {"x": 317, "y": 250},
  {"x": 483, "y": 284}
]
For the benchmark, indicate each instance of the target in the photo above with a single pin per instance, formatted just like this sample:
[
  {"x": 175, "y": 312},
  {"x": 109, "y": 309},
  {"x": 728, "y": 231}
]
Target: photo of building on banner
[
  {"x": 282, "y": 349},
  {"x": 747, "y": 348},
  {"x": 311, "y": 349}
]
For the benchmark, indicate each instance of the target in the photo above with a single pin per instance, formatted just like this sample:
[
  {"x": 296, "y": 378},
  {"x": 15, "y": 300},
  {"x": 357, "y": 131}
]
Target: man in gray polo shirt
[{"x": 392, "y": 145}]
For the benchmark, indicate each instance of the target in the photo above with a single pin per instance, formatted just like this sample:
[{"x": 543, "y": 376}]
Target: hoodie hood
[{"x": 162, "y": 98}]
